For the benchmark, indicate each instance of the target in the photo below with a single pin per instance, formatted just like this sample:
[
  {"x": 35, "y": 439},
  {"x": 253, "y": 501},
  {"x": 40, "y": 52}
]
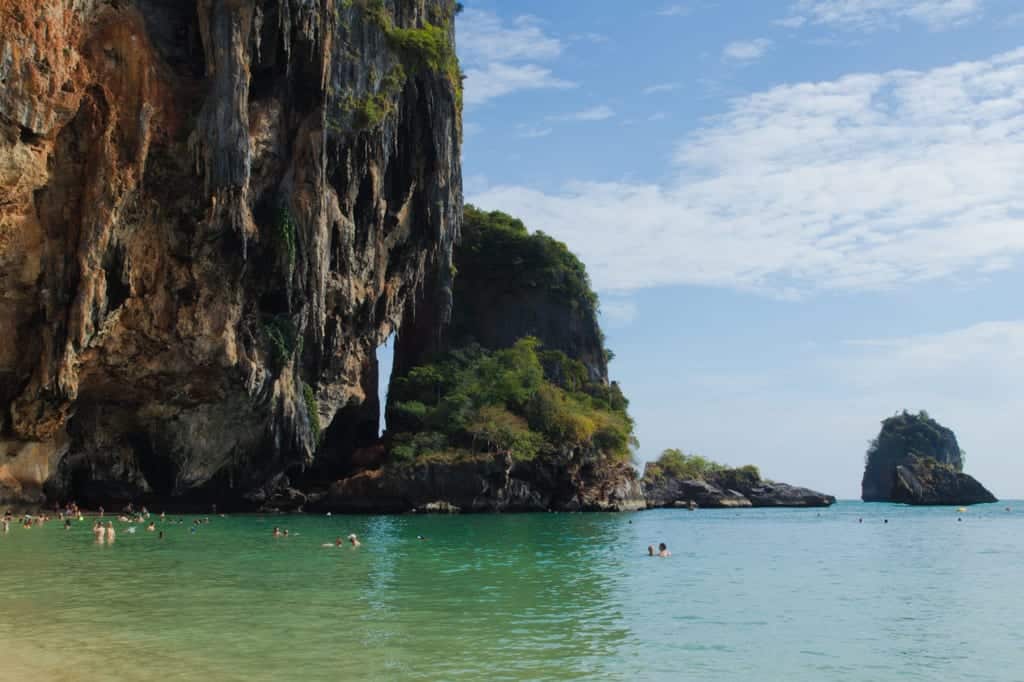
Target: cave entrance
[
  {"x": 352, "y": 442},
  {"x": 385, "y": 366}
]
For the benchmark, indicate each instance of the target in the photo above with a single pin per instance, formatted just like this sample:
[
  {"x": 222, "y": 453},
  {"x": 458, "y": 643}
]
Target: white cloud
[
  {"x": 482, "y": 38},
  {"x": 674, "y": 11},
  {"x": 500, "y": 58},
  {"x": 791, "y": 22},
  {"x": 598, "y": 113},
  {"x": 589, "y": 37},
  {"x": 871, "y": 15},
  {"x": 530, "y": 132},
  {"x": 978, "y": 360},
  {"x": 747, "y": 50},
  {"x": 499, "y": 79},
  {"x": 868, "y": 182},
  {"x": 660, "y": 87}
]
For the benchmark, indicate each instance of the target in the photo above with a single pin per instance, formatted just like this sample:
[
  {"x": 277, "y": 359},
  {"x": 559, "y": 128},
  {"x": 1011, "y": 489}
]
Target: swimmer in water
[
  {"x": 277, "y": 532},
  {"x": 663, "y": 550},
  {"x": 161, "y": 535},
  {"x": 110, "y": 532},
  {"x": 151, "y": 527},
  {"x": 650, "y": 550},
  {"x": 285, "y": 533},
  {"x": 353, "y": 540},
  {"x": 337, "y": 543},
  {"x": 5, "y": 526},
  {"x": 98, "y": 531},
  {"x": 67, "y": 524}
]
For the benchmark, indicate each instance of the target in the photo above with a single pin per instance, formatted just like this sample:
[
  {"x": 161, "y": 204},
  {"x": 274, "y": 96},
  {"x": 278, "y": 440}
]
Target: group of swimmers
[
  {"x": 352, "y": 540},
  {"x": 28, "y": 521},
  {"x": 661, "y": 552}
]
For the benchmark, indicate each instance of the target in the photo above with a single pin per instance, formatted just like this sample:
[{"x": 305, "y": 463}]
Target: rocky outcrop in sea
[
  {"x": 720, "y": 493},
  {"x": 916, "y": 460}
]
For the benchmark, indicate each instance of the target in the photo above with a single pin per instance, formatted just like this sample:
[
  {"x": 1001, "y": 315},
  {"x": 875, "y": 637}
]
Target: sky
[{"x": 801, "y": 216}]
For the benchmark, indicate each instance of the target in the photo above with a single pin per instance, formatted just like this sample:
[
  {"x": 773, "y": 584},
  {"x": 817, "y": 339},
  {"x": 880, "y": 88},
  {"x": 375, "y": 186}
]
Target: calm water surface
[{"x": 748, "y": 595}]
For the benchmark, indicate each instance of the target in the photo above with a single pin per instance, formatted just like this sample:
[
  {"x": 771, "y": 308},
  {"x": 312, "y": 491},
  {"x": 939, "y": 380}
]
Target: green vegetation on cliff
[
  {"x": 522, "y": 400},
  {"x": 427, "y": 47},
  {"x": 906, "y": 434},
  {"x": 495, "y": 243},
  {"x": 676, "y": 464}
]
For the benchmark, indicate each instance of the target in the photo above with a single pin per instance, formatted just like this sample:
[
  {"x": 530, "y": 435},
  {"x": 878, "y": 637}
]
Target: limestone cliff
[
  {"x": 511, "y": 284},
  {"x": 916, "y": 460},
  {"x": 511, "y": 408},
  {"x": 211, "y": 214}
]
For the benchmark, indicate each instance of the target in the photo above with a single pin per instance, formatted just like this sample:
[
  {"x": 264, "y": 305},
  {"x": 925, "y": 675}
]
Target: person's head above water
[
  {"x": 662, "y": 546},
  {"x": 650, "y": 550}
]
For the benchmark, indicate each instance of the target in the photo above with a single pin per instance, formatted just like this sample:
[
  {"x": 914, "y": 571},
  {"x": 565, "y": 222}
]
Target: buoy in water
[{"x": 961, "y": 509}]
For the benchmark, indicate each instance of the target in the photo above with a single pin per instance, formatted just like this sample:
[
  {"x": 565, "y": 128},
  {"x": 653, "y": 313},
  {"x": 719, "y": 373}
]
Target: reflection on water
[{"x": 748, "y": 594}]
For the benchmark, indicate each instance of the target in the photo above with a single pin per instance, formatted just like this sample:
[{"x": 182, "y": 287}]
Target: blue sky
[{"x": 801, "y": 216}]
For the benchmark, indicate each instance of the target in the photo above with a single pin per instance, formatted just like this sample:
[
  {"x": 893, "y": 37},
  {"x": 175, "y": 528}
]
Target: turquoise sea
[{"x": 747, "y": 595}]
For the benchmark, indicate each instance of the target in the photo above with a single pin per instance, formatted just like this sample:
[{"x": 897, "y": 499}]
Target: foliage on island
[
  {"x": 497, "y": 247},
  {"x": 675, "y": 464},
  {"x": 906, "y": 435},
  {"x": 524, "y": 401}
]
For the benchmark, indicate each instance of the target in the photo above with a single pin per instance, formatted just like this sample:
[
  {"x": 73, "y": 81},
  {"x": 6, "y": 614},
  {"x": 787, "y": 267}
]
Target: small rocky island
[
  {"x": 691, "y": 481},
  {"x": 916, "y": 460}
]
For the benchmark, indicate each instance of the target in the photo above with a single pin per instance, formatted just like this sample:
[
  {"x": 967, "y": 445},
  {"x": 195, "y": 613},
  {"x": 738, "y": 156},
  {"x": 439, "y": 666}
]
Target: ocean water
[{"x": 747, "y": 595}]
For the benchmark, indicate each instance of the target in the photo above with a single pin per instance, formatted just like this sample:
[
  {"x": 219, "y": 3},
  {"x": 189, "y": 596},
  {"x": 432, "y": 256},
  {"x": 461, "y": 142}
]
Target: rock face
[
  {"x": 488, "y": 484},
  {"x": 668, "y": 491},
  {"x": 916, "y": 460},
  {"x": 509, "y": 285},
  {"x": 211, "y": 215}
]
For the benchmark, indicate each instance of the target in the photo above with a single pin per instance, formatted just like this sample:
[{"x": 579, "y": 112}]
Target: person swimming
[
  {"x": 151, "y": 527},
  {"x": 663, "y": 550},
  {"x": 277, "y": 532},
  {"x": 98, "y": 531},
  {"x": 161, "y": 535},
  {"x": 111, "y": 534},
  {"x": 650, "y": 550},
  {"x": 353, "y": 540}
]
